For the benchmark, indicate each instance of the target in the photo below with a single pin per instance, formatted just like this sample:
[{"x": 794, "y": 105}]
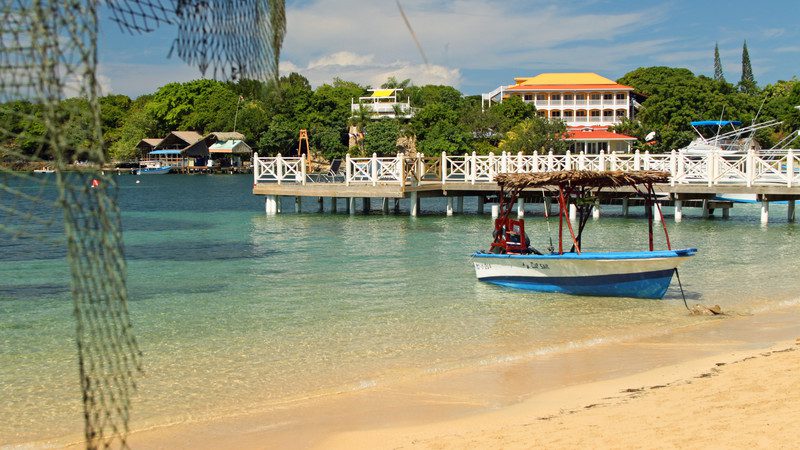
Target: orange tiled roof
[
  {"x": 595, "y": 134},
  {"x": 569, "y": 87}
]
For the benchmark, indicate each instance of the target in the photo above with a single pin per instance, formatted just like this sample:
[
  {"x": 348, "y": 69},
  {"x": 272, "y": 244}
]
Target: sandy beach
[{"x": 729, "y": 382}]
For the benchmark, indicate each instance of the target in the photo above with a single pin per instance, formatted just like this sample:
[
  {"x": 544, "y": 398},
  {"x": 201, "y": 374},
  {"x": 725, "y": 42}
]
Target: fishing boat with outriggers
[{"x": 512, "y": 262}]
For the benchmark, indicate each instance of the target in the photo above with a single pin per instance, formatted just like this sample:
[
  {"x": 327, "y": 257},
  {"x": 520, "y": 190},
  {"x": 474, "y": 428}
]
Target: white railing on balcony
[{"x": 714, "y": 168}]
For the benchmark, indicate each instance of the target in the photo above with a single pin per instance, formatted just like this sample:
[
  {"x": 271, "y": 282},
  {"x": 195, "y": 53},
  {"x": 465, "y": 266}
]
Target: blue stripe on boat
[
  {"x": 598, "y": 255},
  {"x": 639, "y": 285}
]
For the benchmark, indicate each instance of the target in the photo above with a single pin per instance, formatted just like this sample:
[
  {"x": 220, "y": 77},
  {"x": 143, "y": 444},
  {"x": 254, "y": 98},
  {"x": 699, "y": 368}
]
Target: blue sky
[{"x": 479, "y": 45}]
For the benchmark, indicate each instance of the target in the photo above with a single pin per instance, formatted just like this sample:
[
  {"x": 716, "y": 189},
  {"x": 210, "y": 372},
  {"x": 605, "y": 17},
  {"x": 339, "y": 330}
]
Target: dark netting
[{"x": 50, "y": 121}]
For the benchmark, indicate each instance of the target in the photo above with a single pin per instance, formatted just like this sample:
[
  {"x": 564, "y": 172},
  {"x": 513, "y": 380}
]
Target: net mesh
[{"x": 50, "y": 120}]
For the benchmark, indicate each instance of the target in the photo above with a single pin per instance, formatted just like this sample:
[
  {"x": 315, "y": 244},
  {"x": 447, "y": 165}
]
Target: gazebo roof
[{"x": 587, "y": 178}]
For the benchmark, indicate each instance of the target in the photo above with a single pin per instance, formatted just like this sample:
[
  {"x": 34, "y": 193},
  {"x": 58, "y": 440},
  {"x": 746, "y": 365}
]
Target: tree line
[{"x": 270, "y": 116}]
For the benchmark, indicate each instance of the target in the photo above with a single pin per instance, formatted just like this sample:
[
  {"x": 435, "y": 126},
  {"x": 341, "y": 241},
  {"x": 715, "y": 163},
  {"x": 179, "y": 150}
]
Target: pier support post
[
  {"x": 656, "y": 215},
  {"x": 790, "y": 211},
  {"x": 573, "y": 212},
  {"x": 278, "y": 207},
  {"x": 321, "y": 202},
  {"x": 625, "y": 206},
  {"x": 449, "y": 206},
  {"x": 385, "y": 205},
  {"x": 351, "y": 205},
  {"x": 726, "y": 213},
  {"x": 481, "y": 201},
  {"x": 333, "y": 204},
  {"x": 520, "y": 207},
  {"x": 706, "y": 213},
  {"x": 298, "y": 204},
  {"x": 396, "y": 205},
  {"x": 548, "y": 205},
  {"x": 764, "y": 212},
  {"x": 270, "y": 206},
  {"x": 495, "y": 210},
  {"x": 460, "y": 204},
  {"x": 366, "y": 204},
  {"x": 596, "y": 209},
  {"x": 413, "y": 207},
  {"x": 678, "y": 210}
]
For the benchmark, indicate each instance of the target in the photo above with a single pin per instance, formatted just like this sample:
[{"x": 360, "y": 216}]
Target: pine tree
[
  {"x": 718, "y": 75},
  {"x": 748, "y": 82}
]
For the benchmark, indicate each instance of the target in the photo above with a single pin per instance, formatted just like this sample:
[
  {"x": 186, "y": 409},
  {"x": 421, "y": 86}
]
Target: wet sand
[{"x": 726, "y": 382}]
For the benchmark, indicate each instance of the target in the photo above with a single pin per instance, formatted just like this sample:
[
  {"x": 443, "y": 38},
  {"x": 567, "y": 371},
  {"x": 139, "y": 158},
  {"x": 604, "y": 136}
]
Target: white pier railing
[{"x": 714, "y": 168}]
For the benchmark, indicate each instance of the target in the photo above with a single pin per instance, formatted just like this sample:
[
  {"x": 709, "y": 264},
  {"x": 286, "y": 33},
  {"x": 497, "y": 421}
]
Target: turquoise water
[{"x": 235, "y": 310}]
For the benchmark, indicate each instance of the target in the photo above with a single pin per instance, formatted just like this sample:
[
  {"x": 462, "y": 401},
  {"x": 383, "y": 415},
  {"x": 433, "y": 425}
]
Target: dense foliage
[{"x": 270, "y": 116}]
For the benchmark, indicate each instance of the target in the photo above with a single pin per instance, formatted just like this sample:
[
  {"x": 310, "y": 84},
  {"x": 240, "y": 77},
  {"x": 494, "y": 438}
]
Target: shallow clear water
[{"x": 235, "y": 310}]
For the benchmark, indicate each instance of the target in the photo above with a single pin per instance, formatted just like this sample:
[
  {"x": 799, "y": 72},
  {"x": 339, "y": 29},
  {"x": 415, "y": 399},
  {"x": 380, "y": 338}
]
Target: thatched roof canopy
[{"x": 586, "y": 178}]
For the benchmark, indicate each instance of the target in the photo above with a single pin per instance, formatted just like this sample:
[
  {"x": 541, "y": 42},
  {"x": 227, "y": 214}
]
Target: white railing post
[
  {"x": 348, "y": 171},
  {"x": 255, "y": 168},
  {"x": 520, "y": 163},
  {"x": 681, "y": 170},
  {"x": 673, "y": 167},
  {"x": 535, "y": 167},
  {"x": 374, "y": 169},
  {"x": 279, "y": 167},
  {"x": 303, "y": 170},
  {"x": 789, "y": 168},
  {"x": 711, "y": 161},
  {"x": 637, "y": 160},
  {"x": 550, "y": 161},
  {"x": 398, "y": 169},
  {"x": 568, "y": 161},
  {"x": 601, "y": 161},
  {"x": 444, "y": 167},
  {"x": 581, "y": 161},
  {"x": 647, "y": 160},
  {"x": 750, "y": 167},
  {"x": 504, "y": 162},
  {"x": 490, "y": 166},
  {"x": 472, "y": 167}
]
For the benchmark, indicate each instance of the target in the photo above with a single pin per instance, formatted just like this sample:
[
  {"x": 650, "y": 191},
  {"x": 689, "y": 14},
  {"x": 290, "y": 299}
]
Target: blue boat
[
  {"x": 153, "y": 170},
  {"x": 512, "y": 262}
]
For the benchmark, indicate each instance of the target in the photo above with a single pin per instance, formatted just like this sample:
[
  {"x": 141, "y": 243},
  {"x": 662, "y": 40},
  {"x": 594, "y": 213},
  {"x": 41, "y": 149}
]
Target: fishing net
[{"x": 50, "y": 119}]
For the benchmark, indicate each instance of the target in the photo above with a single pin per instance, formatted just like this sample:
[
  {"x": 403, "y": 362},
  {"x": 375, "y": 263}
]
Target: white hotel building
[{"x": 588, "y": 103}]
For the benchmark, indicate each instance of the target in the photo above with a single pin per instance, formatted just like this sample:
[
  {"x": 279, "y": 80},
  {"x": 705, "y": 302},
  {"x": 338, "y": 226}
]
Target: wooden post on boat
[
  {"x": 678, "y": 210},
  {"x": 449, "y": 206}
]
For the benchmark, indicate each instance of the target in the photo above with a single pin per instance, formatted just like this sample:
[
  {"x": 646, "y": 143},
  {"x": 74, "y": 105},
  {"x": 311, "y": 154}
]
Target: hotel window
[
  {"x": 568, "y": 97},
  {"x": 608, "y": 113},
  {"x": 580, "y": 96},
  {"x": 595, "y": 97},
  {"x": 608, "y": 96},
  {"x": 541, "y": 97},
  {"x": 580, "y": 113},
  {"x": 555, "y": 97},
  {"x": 555, "y": 114},
  {"x": 541, "y": 113},
  {"x": 528, "y": 97},
  {"x": 568, "y": 113},
  {"x": 595, "y": 113},
  {"x": 620, "y": 96}
]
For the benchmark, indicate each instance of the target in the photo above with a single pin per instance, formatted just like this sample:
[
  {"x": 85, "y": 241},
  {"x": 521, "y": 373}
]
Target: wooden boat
[
  {"x": 511, "y": 261},
  {"x": 153, "y": 170}
]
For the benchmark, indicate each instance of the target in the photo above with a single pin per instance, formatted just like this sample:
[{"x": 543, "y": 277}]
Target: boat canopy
[
  {"x": 715, "y": 123},
  {"x": 165, "y": 152},
  {"x": 581, "y": 178}
]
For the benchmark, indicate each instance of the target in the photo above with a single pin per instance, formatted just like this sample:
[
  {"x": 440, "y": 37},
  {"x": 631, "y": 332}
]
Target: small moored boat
[
  {"x": 153, "y": 170},
  {"x": 512, "y": 262}
]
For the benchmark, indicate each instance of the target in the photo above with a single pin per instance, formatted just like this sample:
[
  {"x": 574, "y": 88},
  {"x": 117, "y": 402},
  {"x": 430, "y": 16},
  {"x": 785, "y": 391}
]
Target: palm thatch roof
[{"x": 586, "y": 178}]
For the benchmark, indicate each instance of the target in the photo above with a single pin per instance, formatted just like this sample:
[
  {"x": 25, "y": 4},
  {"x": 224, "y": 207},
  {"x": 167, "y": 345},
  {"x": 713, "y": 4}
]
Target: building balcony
[{"x": 385, "y": 109}]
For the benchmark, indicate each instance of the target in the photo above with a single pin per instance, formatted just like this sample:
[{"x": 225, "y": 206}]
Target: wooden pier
[{"x": 696, "y": 181}]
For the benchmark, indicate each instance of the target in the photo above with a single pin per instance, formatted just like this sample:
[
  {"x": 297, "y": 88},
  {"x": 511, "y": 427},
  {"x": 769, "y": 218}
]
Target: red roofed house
[{"x": 587, "y": 102}]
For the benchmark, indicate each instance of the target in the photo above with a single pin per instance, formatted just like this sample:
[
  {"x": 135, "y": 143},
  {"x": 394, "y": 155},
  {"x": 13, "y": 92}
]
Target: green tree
[
  {"x": 137, "y": 125},
  {"x": 536, "y": 134},
  {"x": 747, "y": 83},
  {"x": 281, "y": 137},
  {"x": 718, "y": 75},
  {"x": 329, "y": 142},
  {"x": 381, "y": 136}
]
